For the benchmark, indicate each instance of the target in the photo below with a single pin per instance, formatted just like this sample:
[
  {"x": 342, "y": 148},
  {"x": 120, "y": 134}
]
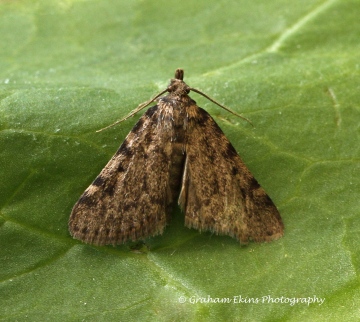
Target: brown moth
[{"x": 175, "y": 151}]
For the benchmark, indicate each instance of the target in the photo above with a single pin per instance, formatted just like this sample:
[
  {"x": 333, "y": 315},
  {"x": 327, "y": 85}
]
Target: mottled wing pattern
[
  {"x": 129, "y": 198},
  {"x": 219, "y": 193}
]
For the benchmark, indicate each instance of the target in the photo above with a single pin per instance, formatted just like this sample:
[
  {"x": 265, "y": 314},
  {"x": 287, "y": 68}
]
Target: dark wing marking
[
  {"x": 129, "y": 198},
  {"x": 219, "y": 193}
]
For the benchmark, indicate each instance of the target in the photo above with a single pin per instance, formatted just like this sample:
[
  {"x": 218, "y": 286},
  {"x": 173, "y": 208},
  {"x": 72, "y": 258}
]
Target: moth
[{"x": 176, "y": 151}]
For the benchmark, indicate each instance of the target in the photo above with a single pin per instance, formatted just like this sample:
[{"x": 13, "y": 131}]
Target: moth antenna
[
  {"x": 222, "y": 106},
  {"x": 133, "y": 112}
]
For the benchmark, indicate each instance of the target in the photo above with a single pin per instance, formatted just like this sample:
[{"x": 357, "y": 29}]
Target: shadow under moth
[{"x": 175, "y": 151}]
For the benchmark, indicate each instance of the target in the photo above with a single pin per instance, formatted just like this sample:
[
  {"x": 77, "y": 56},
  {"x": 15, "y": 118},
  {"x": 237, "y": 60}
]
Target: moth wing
[
  {"x": 219, "y": 193},
  {"x": 129, "y": 198}
]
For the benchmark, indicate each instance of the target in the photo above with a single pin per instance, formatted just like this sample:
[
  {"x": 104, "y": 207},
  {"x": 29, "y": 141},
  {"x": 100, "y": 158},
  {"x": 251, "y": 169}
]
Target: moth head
[{"x": 178, "y": 87}]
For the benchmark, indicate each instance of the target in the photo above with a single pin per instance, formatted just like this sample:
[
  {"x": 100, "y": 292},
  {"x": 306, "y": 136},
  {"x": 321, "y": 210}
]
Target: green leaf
[{"x": 68, "y": 68}]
